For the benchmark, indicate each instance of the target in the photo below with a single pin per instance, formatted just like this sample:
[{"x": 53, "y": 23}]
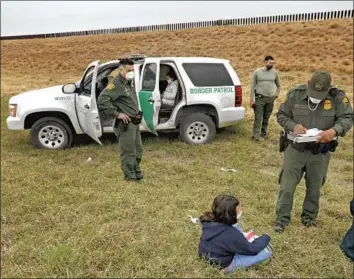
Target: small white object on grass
[
  {"x": 89, "y": 159},
  {"x": 231, "y": 170},
  {"x": 193, "y": 220}
]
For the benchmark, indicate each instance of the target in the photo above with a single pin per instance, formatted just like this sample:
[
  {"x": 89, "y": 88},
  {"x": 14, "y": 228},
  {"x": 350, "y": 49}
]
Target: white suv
[{"x": 209, "y": 96}]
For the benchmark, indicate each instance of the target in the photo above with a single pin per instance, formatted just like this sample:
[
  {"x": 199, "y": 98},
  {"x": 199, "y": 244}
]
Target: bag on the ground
[{"x": 347, "y": 244}]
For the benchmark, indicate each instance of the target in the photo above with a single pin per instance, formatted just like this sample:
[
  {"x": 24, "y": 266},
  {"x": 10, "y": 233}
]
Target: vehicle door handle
[
  {"x": 151, "y": 100},
  {"x": 86, "y": 106}
]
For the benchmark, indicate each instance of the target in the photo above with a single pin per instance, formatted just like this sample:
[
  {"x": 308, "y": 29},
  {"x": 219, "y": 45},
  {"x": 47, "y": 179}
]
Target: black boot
[
  {"x": 139, "y": 176},
  {"x": 280, "y": 227}
]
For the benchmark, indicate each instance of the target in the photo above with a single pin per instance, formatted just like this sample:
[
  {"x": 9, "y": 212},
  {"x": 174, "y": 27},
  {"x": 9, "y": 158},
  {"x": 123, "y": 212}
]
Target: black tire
[
  {"x": 205, "y": 125},
  {"x": 63, "y": 134}
]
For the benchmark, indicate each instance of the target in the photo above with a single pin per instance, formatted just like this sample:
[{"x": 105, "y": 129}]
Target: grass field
[{"x": 63, "y": 217}]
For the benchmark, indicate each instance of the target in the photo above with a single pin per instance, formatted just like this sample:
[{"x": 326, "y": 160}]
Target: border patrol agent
[
  {"x": 262, "y": 96},
  {"x": 315, "y": 105},
  {"x": 119, "y": 100}
]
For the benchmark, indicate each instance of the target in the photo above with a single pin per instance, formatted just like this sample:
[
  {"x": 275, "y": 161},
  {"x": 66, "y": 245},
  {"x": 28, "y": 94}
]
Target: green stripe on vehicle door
[{"x": 147, "y": 109}]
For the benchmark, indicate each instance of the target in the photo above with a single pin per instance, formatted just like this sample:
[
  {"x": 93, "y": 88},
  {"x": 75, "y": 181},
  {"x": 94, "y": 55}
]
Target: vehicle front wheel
[
  {"x": 197, "y": 128},
  {"x": 51, "y": 133}
]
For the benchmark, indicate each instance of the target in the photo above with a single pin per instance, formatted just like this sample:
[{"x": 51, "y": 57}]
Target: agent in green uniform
[
  {"x": 119, "y": 100},
  {"x": 315, "y": 105},
  {"x": 265, "y": 88}
]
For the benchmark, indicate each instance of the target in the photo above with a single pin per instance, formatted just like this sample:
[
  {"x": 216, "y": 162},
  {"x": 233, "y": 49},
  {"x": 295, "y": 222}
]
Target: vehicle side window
[
  {"x": 164, "y": 70},
  {"x": 102, "y": 81},
  {"x": 113, "y": 74},
  {"x": 208, "y": 74},
  {"x": 149, "y": 77},
  {"x": 85, "y": 85}
]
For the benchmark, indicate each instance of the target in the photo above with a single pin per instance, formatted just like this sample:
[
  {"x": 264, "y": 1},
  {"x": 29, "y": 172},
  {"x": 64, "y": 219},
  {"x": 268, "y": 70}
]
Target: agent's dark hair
[
  {"x": 267, "y": 58},
  {"x": 223, "y": 210},
  {"x": 126, "y": 61},
  {"x": 172, "y": 74}
]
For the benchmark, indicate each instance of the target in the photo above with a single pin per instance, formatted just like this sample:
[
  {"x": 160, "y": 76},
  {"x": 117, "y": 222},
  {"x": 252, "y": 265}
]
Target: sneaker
[
  {"x": 309, "y": 223},
  {"x": 139, "y": 176},
  {"x": 280, "y": 227}
]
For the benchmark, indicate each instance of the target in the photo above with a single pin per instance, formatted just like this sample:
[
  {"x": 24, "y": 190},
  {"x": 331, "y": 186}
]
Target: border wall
[{"x": 343, "y": 14}]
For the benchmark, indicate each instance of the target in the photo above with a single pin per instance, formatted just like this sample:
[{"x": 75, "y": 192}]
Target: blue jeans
[{"x": 243, "y": 261}]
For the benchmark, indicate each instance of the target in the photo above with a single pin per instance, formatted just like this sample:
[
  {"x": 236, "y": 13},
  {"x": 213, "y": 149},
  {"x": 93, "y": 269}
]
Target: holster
[
  {"x": 283, "y": 141},
  {"x": 316, "y": 148},
  {"x": 332, "y": 146},
  {"x": 137, "y": 119}
]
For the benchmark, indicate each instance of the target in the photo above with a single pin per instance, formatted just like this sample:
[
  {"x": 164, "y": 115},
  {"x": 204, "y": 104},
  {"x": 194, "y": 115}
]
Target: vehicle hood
[{"x": 43, "y": 95}]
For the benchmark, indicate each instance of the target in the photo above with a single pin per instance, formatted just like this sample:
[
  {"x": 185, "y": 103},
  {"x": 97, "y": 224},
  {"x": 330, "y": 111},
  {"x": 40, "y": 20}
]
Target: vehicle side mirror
[{"x": 69, "y": 88}]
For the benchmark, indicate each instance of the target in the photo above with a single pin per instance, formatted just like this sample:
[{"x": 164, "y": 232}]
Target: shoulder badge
[
  {"x": 345, "y": 100},
  {"x": 111, "y": 86}
]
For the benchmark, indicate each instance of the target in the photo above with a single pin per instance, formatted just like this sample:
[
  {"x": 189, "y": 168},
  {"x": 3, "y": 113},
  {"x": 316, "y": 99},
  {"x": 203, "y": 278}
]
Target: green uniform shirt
[
  {"x": 335, "y": 111},
  {"x": 264, "y": 83},
  {"x": 118, "y": 97}
]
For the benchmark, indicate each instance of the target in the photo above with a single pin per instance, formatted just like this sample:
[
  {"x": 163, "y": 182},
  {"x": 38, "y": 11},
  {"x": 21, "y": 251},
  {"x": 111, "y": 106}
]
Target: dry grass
[{"x": 61, "y": 217}]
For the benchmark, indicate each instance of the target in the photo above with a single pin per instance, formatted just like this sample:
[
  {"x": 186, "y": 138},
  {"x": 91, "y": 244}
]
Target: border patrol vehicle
[{"x": 209, "y": 96}]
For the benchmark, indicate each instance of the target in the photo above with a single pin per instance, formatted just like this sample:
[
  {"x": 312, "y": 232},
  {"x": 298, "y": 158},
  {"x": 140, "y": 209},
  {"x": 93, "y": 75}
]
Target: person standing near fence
[{"x": 265, "y": 88}]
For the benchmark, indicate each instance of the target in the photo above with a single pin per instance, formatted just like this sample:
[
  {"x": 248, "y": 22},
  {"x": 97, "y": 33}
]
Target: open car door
[
  {"x": 86, "y": 104},
  {"x": 149, "y": 94}
]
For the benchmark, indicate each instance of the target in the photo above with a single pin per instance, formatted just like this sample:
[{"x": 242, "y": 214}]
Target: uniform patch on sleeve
[{"x": 110, "y": 87}]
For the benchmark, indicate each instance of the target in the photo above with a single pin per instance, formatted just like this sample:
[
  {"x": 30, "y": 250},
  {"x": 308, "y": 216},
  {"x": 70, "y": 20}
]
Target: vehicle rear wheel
[
  {"x": 197, "y": 128},
  {"x": 51, "y": 133}
]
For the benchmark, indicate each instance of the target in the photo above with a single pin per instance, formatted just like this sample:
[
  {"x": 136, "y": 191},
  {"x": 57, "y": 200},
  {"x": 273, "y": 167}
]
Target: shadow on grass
[
  {"x": 171, "y": 137},
  {"x": 83, "y": 140}
]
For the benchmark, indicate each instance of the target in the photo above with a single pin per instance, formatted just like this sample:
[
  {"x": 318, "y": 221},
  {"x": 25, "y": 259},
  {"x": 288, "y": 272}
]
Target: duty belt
[{"x": 313, "y": 146}]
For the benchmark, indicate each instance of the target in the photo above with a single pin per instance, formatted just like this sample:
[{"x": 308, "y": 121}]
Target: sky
[{"x": 39, "y": 17}]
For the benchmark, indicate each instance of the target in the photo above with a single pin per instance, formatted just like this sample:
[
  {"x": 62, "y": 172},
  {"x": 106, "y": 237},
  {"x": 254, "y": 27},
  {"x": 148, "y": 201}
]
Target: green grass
[{"x": 63, "y": 217}]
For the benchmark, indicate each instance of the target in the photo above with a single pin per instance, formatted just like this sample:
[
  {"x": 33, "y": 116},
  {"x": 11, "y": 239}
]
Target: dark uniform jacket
[
  {"x": 118, "y": 97},
  {"x": 335, "y": 111}
]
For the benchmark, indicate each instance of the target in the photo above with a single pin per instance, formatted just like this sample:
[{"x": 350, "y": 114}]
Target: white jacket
[{"x": 169, "y": 95}]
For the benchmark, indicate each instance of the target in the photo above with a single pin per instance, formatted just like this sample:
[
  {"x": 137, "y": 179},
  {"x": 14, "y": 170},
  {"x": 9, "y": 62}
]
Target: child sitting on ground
[{"x": 222, "y": 241}]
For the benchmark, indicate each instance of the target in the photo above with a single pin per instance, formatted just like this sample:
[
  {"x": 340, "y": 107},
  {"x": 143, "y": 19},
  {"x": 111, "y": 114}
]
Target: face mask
[
  {"x": 129, "y": 75},
  {"x": 239, "y": 215},
  {"x": 169, "y": 81},
  {"x": 315, "y": 101},
  {"x": 269, "y": 67}
]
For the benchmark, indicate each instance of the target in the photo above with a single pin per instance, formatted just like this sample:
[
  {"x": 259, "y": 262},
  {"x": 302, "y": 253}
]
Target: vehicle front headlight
[{"x": 13, "y": 110}]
